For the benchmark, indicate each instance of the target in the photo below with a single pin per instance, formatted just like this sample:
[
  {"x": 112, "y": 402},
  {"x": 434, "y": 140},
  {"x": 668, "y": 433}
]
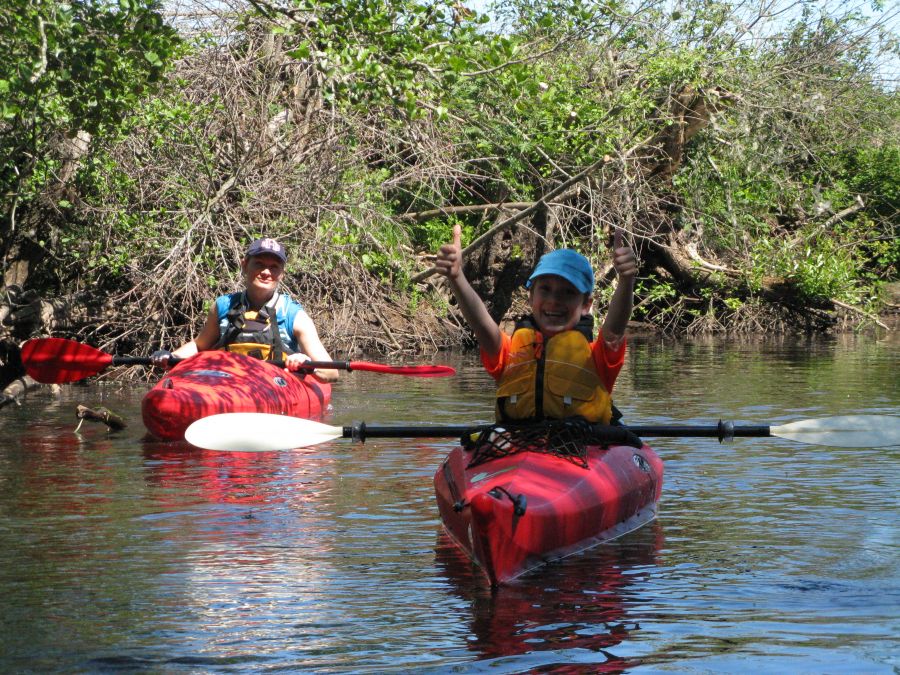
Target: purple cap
[
  {"x": 267, "y": 246},
  {"x": 568, "y": 264}
]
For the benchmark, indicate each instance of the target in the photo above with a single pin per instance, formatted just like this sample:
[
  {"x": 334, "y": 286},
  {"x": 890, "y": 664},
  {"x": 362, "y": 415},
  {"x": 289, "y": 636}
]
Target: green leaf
[{"x": 301, "y": 52}]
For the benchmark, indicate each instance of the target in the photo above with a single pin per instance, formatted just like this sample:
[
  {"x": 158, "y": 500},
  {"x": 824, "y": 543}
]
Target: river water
[{"x": 118, "y": 554}]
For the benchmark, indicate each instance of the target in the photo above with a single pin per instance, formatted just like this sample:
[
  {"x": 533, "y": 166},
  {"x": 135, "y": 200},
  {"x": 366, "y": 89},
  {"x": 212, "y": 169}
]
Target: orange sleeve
[
  {"x": 496, "y": 364},
  {"x": 608, "y": 360}
]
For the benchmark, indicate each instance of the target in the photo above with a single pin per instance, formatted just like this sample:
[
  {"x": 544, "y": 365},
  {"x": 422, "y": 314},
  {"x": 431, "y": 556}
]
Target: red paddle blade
[
  {"x": 56, "y": 360},
  {"x": 414, "y": 371}
]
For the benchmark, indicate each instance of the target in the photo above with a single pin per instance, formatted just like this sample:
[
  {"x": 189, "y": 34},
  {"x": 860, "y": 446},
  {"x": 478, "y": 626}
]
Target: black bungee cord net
[{"x": 567, "y": 438}]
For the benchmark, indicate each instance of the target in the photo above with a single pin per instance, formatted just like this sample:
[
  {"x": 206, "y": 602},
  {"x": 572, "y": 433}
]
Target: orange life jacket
[{"x": 552, "y": 379}]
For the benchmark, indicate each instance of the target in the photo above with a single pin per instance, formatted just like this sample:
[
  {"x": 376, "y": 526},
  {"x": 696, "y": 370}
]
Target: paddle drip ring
[{"x": 568, "y": 438}]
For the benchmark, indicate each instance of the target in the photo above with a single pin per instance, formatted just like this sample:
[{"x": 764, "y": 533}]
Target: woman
[{"x": 259, "y": 321}]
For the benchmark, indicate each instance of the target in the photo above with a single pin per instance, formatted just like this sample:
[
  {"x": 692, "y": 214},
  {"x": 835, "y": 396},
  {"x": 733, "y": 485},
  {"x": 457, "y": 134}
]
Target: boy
[{"x": 551, "y": 366}]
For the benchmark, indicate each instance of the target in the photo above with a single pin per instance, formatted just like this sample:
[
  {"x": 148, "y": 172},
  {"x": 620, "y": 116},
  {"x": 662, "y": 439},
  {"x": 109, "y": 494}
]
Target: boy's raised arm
[
  {"x": 449, "y": 264},
  {"x": 626, "y": 265}
]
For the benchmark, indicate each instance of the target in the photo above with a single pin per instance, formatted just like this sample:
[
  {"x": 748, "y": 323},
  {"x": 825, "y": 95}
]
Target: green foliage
[
  {"x": 70, "y": 68},
  {"x": 134, "y": 230},
  {"x": 518, "y": 116},
  {"x": 730, "y": 200},
  {"x": 824, "y": 268},
  {"x": 387, "y": 52},
  {"x": 875, "y": 173},
  {"x": 363, "y": 230},
  {"x": 431, "y": 234},
  {"x": 800, "y": 185},
  {"x": 651, "y": 292},
  {"x": 84, "y": 63},
  {"x": 425, "y": 60}
]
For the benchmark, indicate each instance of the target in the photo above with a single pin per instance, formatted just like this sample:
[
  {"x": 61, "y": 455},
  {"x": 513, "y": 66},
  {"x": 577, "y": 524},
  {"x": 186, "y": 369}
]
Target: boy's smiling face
[{"x": 556, "y": 304}]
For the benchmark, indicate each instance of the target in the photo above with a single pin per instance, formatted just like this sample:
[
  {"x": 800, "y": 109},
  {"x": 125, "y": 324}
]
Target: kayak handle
[{"x": 519, "y": 501}]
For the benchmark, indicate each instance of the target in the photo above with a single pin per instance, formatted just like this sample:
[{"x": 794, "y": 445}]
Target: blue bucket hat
[{"x": 568, "y": 264}]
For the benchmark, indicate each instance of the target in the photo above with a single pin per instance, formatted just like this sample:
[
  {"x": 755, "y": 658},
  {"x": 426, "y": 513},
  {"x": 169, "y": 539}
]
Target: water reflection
[
  {"x": 224, "y": 502},
  {"x": 185, "y": 474},
  {"x": 568, "y": 616},
  {"x": 50, "y": 474}
]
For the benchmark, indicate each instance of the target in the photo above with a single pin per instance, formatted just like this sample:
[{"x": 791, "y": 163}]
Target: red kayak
[
  {"x": 522, "y": 508},
  {"x": 218, "y": 382}
]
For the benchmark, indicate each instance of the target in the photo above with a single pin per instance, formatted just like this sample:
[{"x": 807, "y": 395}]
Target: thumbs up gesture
[
  {"x": 624, "y": 260},
  {"x": 449, "y": 258}
]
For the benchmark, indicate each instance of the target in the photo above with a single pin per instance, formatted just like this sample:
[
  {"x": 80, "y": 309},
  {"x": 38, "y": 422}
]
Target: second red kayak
[
  {"x": 215, "y": 382},
  {"x": 522, "y": 509}
]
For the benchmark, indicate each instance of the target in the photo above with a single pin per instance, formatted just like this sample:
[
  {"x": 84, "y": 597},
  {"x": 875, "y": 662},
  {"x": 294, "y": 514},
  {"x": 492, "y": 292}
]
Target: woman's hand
[
  {"x": 161, "y": 357},
  {"x": 294, "y": 362}
]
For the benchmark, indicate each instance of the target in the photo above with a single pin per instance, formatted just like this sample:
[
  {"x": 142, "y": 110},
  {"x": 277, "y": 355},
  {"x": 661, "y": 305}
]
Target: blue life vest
[{"x": 245, "y": 331}]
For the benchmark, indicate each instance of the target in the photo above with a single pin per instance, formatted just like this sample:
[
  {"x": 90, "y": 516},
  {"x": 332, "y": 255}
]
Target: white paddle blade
[
  {"x": 843, "y": 431},
  {"x": 257, "y": 432}
]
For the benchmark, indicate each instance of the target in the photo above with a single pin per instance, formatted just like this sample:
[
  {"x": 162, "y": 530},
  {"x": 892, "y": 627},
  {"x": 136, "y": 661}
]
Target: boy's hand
[
  {"x": 624, "y": 259},
  {"x": 449, "y": 258}
]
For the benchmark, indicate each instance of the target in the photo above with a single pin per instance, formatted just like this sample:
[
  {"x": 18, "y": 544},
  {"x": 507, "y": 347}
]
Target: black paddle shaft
[
  {"x": 147, "y": 361},
  {"x": 360, "y": 431},
  {"x": 308, "y": 365},
  {"x": 140, "y": 361},
  {"x": 724, "y": 431}
]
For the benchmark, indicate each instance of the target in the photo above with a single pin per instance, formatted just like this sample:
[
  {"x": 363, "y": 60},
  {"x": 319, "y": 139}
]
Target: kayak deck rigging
[{"x": 568, "y": 438}]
